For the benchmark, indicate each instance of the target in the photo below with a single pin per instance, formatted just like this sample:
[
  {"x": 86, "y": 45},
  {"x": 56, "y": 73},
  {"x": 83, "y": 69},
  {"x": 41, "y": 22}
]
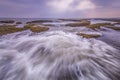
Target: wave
[{"x": 58, "y": 55}]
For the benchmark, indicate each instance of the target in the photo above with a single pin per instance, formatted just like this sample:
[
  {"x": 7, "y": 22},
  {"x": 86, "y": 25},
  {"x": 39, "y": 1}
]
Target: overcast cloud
[{"x": 60, "y": 8}]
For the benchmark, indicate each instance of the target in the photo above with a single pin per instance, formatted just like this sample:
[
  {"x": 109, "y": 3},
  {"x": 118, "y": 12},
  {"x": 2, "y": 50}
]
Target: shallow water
[
  {"x": 100, "y": 21},
  {"x": 117, "y": 25},
  {"x": 59, "y": 54}
]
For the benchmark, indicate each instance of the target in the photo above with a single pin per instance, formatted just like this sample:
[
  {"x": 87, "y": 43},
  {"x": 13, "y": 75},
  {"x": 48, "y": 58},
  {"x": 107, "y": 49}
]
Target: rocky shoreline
[{"x": 36, "y": 26}]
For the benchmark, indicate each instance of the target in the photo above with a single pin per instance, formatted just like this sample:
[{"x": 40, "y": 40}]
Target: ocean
[{"x": 60, "y": 54}]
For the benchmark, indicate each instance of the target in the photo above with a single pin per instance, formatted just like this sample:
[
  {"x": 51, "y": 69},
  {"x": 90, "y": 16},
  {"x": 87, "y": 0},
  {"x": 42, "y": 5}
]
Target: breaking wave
[{"x": 58, "y": 56}]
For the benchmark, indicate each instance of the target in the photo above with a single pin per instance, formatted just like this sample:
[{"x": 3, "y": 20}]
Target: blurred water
[
  {"x": 59, "y": 54},
  {"x": 117, "y": 25},
  {"x": 100, "y": 21}
]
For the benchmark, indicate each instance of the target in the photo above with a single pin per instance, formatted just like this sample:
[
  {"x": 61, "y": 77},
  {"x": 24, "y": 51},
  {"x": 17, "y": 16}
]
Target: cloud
[
  {"x": 21, "y": 8},
  {"x": 59, "y": 8},
  {"x": 60, "y": 5},
  {"x": 67, "y": 5},
  {"x": 103, "y": 13},
  {"x": 85, "y": 5}
]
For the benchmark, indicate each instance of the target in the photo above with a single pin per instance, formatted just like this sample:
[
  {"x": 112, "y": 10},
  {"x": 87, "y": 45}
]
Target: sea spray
[{"x": 58, "y": 55}]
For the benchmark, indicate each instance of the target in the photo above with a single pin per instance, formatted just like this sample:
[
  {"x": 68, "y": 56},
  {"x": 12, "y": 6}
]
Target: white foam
[{"x": 59, "y": 56}]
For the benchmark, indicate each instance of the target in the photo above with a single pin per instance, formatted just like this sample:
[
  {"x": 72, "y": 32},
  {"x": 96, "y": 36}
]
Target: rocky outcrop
[
  {"x": 88, "y": 35},
  {"x": 36, "y": 28},
  {"x": 77, "y": 24},
  {"x": 7, "y": 21}
]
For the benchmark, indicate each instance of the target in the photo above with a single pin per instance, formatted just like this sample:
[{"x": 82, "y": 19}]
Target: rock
[
  {"x": 98, "y": 25},
  {"x": 6, "y": 29},
  {"x": 36, "y": 28},
  {"x": 28, "y": 26},
  {"x": 48, "y": 24},
  {"x": 39, "y": 28},
  {"x": 117, "y": 23},
  {"x": 7, "y": 21},
  {"x": 5, "y": 25},
  {"x": 77, "y": 24},
  {"x": 39, "y": 21},
  {"x": 112, "y": 19},
  {"x": 18, "y": 22},
  {"x": 113, "y": 27},
  {"x": 87, "y": 35}
]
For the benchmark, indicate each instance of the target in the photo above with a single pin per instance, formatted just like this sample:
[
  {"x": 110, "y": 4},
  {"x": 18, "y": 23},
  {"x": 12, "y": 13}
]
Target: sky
[{"x": 60, "y": 8}]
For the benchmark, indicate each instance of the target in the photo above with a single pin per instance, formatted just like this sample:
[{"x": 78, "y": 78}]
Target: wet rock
[
  {"x": 113, "y": 27},
  {"x": 76, "y": 20},
  {"x": 40, "y": 21},
  {"x": 7, "y": 21},
  {"x": 6, "y": 29},
  {"x": 117, "y": 23},
  {"x": 5, "y": 25},
  {"x": 48, "y": 25},
  {"x": 112, "y": 19},
  {"x": 27, "y": 26},
  {"x": 36, "y": 28},
  {"x": 39, "y": 28},
  {"x": 98, "y": 25},
  {"x": 77, "y": 24},
  {"x": 18, "y": 22},
  {"x": 87, "y": 35}
]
